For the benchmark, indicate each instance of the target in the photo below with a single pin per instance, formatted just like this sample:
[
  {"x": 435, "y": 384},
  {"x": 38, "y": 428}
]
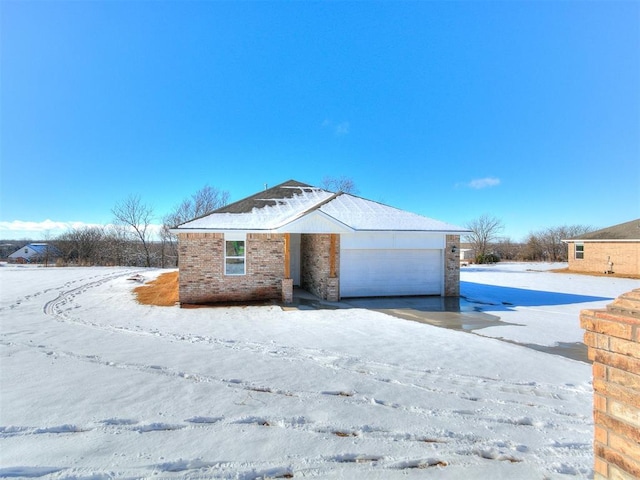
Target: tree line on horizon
[
  {"x": 129, "y": 241},
  {"x": 542, "y": 245}
]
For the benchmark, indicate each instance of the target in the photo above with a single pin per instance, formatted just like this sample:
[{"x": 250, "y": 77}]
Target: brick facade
[
  {"x": 452, "y": 266},
  {"x": 201, "y": 264},
  {"x": 315, "y": 266},
  {"x": 625, "y": 257},
  {"x": 202, "y": 277},
  {"x": 613, "y": 338}
]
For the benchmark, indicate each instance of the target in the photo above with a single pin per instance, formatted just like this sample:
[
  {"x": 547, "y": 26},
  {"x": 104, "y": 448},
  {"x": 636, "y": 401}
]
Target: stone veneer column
[
  {"x": 333, "y": 289},
  {"x": 613, "y": 338},
  {"x": 452, "y": 266}
]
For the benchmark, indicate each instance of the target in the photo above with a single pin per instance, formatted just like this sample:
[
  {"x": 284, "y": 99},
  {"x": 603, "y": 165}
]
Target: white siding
[
  {"x": 396, "y": 240},
  {"x": 378, "y": 264}
]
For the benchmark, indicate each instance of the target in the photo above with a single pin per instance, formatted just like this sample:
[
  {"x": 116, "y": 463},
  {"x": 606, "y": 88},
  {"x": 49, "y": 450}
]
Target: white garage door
[{"x": 383, "y": 272}]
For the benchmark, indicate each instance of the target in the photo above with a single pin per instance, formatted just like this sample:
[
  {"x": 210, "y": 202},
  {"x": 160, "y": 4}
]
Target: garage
[
  {"x": 390, "y": 265},
  {"x": 366, "y": 273}
]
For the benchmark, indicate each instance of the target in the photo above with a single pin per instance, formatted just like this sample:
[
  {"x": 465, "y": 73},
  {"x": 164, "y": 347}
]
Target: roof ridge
[
  {"x": 229, "y": 208},
  {"x": 620, "y": 231},
  {"x": 317, "y": 206},
  {"x": 256, "y": 196}
]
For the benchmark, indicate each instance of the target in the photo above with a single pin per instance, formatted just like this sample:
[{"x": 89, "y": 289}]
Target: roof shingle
[
  {"x": 623, "y": 231},
  {"x": 273, "y": 209}
]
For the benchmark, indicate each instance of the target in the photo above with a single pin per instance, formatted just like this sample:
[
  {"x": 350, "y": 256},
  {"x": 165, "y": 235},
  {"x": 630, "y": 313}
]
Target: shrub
[{"x": 488, "y": 258}]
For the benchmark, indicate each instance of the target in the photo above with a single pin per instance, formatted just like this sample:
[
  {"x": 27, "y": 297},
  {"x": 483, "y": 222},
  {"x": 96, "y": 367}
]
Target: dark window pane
[{"x": 235, "y": 248}]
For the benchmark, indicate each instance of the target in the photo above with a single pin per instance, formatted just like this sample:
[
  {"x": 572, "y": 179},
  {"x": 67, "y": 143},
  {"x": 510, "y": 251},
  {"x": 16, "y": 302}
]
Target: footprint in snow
[
  {"x": 158, "y": 427},
  {"x": 204, "y": 420},
  {"x": 494, "y": 454},
  {"x": 119, "y": 421},
  {"x": 28, "y": 472},
  {"x": 67, "y": 428},
  {"x": 421, "y": 463}
]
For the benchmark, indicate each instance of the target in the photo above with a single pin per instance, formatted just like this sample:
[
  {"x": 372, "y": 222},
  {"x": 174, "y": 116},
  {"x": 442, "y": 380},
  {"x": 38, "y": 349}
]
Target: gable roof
[
  {"x": 628, "y": 231},
  {"x": 267, "y": 198},
  {"x": 279, "y": 208},
  {"x": 34, "y": 249}
]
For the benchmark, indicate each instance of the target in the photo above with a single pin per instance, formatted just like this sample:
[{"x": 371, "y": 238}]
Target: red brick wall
[
  {"x": 613, "y": 338},
  {"x": 315, "y": 265},
  {"x": 201, "y": 264},
  {"x": 624, "y": 255}
]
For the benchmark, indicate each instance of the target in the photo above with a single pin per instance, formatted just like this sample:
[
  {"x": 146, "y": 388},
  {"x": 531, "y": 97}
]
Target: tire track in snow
[
  {"x": 521, "y": 418},
  {"x": 425, "y": 380},
  {"x": 458, "y": 446},
  {"x": 378, "y": 371},
  {"x": 18, "y": 302},
  {"x": 54, "y": 307}
]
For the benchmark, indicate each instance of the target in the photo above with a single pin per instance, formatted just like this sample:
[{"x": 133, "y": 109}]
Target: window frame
[
  {"x": 578, "y": 254},
  {"x": 235, "y": 238}
]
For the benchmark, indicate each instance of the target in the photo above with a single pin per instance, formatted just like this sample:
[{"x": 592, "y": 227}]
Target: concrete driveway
[{"x": 444, "y": 312}]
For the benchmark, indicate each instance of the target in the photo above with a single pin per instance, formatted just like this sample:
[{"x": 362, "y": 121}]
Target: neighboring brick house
[
  {"x": 613, "y": 249},
  {"x": 332, "y": 244}
]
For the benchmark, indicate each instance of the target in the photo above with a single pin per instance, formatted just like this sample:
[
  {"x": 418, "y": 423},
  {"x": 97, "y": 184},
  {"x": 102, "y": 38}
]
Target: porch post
[
  {"x": 333, "y": 282},
  {"x": 332, "y": 255},
  {"x": 287, "y": 255},
  {"x": 287, "y": 281}
]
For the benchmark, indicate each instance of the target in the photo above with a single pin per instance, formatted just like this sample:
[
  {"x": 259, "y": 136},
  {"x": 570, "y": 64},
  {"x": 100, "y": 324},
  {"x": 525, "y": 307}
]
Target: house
[
  {"x": 613, "y": 249},
  {"x": 35, "y": 253},
  {"x": 331, "y": 244},
  {"x": 467, "y": 254}
]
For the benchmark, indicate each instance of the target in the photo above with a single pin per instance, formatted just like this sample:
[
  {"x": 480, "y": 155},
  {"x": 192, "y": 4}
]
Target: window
[
  {"x": 579, "y": 251},
  {"x": 234, "y": 257}
]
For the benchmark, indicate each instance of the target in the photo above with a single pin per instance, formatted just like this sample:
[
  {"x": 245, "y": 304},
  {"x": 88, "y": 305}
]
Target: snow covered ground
[{"x": 96, "y": 386}]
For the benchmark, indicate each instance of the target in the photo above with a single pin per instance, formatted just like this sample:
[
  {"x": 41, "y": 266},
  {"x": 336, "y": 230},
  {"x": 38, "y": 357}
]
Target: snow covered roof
[
  {"x": 34, "y": 249},
  {"x": 276, "y": 210}
]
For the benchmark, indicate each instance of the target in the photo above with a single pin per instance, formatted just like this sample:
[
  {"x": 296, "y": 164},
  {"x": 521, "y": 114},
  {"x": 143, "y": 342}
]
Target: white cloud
[
  {"x": 486, "y": 182},
  {"x": 342, "y": 129},
  {"x": 44, "y": 226},
  {"x": 18, "y": 229},
  {"x": 339, "y": 129}
]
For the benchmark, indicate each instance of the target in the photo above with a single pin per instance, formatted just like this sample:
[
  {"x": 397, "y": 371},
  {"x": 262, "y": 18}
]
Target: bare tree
[
  {"x": 84, "y": 246},
  {"x": 138, "y": 216},
  {"x": 547, "y": 244},
  {"x": 118, "y": 245},
  {"x": 342, "y": 184},
  {"x": 200, "y": 203},
  {"x": 484, "y": 231},
  {"x": 553, "y": 247},
  {"x": 204, "y": 201},
  {"x": 533, "y": 249},
  {"x": 507, "y": 249}
]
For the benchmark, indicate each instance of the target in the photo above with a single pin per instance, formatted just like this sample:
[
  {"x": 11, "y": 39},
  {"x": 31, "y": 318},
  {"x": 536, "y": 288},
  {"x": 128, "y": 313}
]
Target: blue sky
[{"x": 529, "y": 111}]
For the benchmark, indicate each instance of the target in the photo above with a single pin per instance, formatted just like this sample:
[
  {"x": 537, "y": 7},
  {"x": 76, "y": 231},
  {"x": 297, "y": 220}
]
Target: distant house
[
  {"x": 35, "y": 253},
  {"x": 331, "y": 244},
  {"x": 613, "y": 249},
  {"x": 467, "y": 254}
]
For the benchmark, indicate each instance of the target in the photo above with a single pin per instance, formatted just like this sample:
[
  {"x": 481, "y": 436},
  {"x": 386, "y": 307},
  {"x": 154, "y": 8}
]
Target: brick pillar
[
  {"x": 287, "y": 290},
  {"x": 613, "y": 338},
  {"x": 452, "y": 266}
]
